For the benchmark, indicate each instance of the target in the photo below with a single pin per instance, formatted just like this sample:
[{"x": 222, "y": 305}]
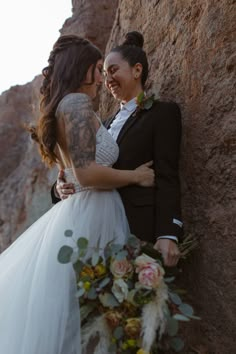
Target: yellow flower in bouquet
[
  {"x": 99, "y": 270},
  {"x": 87, "y": 285},
  {"x": 87, "y": 272},
  {"x": 133, "y": 327},
  {"x": 142, "y": 351}
]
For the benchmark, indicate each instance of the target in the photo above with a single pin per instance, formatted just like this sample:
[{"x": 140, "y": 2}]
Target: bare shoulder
[
  {"x": 76, "y": 111},
  {"x": 73, "y": 102}
]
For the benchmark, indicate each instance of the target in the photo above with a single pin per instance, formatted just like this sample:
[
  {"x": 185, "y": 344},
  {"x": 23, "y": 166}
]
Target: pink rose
[
  {"x": 143, "y": 261},
  {"x": 151, "y": 275},
  {"x": 121, "y": 268}
]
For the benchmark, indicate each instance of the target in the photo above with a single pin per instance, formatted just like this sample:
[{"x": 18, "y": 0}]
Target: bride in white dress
[{"x": 39, "y": 313}]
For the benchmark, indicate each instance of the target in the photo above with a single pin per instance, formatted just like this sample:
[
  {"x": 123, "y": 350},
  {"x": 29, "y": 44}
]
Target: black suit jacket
[{"x": 152, "y": 134}]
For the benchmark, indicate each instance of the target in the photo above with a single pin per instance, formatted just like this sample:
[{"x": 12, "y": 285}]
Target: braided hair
[
  {"x": 131, "y": 51},
  {"x": 68, "y": 64}
]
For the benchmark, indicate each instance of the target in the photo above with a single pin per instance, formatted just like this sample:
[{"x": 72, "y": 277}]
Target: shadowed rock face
[{"x": 191, "y": 51}]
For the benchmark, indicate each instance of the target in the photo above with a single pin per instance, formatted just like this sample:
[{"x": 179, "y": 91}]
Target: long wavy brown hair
[{"x": 69, "y": 62}]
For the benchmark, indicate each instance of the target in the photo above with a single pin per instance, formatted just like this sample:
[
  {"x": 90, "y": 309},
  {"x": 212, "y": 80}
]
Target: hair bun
[{"x": 134, "y": 38}]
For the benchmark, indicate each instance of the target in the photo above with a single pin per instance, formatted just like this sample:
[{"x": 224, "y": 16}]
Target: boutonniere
[{"x": 144, "y": 102}]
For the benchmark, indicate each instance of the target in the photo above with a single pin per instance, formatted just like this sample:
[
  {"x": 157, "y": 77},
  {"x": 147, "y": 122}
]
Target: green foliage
[
  {"x": 180, "y": 317},
  {"x": 82, "y": 243},
  {"x": 175, "y": 298},
  {"x": 108, "y": 300},
  {"x": 64, "y": 255},
  {"x": 172, "y": 326},
  {"x": 95, "y": 258},
  {"x": 118, "y": 332}
]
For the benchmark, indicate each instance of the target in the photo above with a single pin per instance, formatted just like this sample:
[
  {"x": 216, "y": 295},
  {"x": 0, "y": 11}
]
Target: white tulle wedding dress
[{"x": 39, "y": 313}]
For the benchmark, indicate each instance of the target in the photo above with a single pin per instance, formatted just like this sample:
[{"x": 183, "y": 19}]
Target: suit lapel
[{"x": 128, "y": 124}]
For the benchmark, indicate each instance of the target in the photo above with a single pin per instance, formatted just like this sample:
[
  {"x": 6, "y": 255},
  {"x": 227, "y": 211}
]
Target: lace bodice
[{"x": 107, "y": 152}]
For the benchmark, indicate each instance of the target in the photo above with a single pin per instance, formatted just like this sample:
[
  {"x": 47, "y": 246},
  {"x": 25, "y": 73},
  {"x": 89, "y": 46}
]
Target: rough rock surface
[
  {"x": 191, "y": 49},
  {"x": 92, "y": 19},
  {"x": 24, "y": 181}
]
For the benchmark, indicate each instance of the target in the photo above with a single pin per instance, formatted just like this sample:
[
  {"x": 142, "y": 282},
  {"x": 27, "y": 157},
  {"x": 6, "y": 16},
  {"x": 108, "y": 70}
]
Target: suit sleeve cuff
[{"x": 169, "y": 237}]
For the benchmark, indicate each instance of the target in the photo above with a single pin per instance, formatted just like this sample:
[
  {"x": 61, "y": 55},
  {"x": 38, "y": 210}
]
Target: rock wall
[
  {"x": 24, "y": 181},
  {"x": 191, "y": 50}
]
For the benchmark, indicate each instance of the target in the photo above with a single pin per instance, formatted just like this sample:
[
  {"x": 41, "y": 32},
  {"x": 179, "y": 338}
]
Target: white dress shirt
[{"x": 125, "y": 112}]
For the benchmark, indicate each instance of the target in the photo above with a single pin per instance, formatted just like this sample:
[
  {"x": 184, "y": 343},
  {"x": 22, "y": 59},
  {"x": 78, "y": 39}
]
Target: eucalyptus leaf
[
  {"x": 82, "y": 252},
  {"x": 68, "y": 233},
  {"x": 177, "y": 344},
  {"x": 169, "y": 279},
  {"x": 121, "y": 255},
  {"x": 115, "y": 248},
  {"x": 180, "y": 317},
  {"x": 104, "y": 282},
  {"x": 195, "y": 317},
  {"x": 95, "y": 258},
  {"x": 175, "y": 298},
  {"x": 108, "y": 300},
  {"x": 78, "y": 266},
  {"x": 107, "y": 252},
  {"x": 133, "y": 241},
  {"x": 82, "y": 243},
  {"x": 92, "y": 294},
  {"x": 186, "y": 309},
  {"x": 172, "y": 327},
  {"x": 80, "y": 292},
  {"x": 64, "y": 254},
  {"x": 118, "y": 332}
]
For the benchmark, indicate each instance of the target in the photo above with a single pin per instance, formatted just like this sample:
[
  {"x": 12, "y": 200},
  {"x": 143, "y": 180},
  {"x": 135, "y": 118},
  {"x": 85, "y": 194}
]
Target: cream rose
[{"x": 120, "y": 268}]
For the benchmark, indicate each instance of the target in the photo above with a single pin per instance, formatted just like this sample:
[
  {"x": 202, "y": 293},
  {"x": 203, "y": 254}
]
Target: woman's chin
[{"x": 116, "y": 95}]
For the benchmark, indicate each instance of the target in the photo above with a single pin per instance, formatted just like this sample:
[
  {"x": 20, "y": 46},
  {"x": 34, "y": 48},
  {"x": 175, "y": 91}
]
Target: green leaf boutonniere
[{"x": 145, "y": 102}]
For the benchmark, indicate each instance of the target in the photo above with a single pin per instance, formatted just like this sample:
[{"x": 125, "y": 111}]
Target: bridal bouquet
[{"x": 128, "y": 303}]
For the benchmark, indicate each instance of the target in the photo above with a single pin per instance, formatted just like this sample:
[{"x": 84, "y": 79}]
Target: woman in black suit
[{"x": 149, "y": 130}]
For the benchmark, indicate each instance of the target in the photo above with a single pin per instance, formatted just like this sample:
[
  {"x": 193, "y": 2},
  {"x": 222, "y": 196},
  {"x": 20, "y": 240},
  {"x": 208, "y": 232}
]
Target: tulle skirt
[{"x": 39, "y": 312}]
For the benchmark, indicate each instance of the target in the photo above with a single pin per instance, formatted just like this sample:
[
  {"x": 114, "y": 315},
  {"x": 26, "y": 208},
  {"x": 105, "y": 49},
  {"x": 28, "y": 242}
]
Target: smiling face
[
  {"x": 89, "y": 87},
  {"x": 121, "y": 79}
]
